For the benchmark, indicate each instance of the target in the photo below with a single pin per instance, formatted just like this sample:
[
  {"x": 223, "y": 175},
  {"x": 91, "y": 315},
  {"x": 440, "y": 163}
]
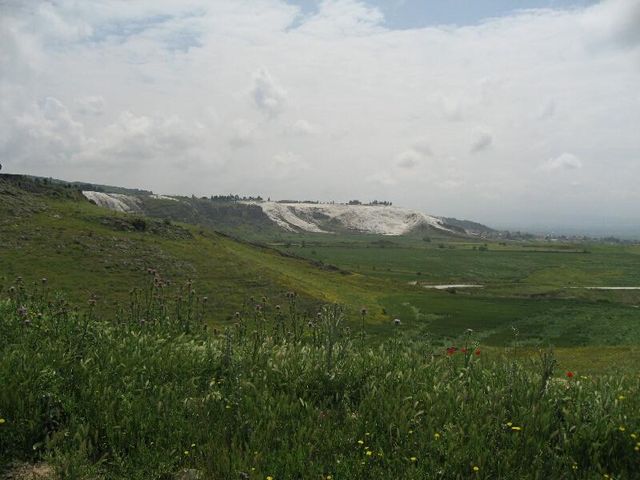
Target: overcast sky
[{"x": 473, "y": 109}]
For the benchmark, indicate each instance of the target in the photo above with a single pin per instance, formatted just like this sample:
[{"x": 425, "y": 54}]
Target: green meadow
[{"x": 140, "y": 347}]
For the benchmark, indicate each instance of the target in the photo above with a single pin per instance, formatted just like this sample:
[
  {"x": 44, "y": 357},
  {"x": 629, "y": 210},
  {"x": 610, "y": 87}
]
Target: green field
[
  {"x": 136, "y": 347},
  {"x": 531, "y": 292}
]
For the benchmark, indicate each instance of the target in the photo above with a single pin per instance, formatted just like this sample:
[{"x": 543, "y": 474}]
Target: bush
[{"x": 278, "y": 394}]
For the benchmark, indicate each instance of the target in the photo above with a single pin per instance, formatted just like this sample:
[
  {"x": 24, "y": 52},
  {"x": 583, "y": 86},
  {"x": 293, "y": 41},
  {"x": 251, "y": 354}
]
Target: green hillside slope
[{"x": 50, "y": 230}]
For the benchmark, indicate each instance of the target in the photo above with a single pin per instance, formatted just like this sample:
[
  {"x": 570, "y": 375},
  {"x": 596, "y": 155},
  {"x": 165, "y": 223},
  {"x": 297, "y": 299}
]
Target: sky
[{"x": 518, "y": 114}]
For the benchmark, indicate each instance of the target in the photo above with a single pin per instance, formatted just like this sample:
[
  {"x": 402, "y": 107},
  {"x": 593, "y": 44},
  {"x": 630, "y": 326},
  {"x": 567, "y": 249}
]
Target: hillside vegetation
[
  {"x": 277, "y": 398},
  {"x": 531, "y": 292},
  {"x": 52, "y": 231}
]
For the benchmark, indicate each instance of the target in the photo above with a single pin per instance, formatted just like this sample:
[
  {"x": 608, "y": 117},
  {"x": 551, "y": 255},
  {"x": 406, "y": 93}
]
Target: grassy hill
[
  {"x": 530, "y": 293},
  {"x": 51, "y": 230},
  {"x": 182, "y": 353}
]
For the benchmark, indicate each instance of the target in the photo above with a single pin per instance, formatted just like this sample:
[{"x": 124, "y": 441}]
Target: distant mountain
[
  {"x": 335, "y": 218},
  {"x": 225, "y": 213}
]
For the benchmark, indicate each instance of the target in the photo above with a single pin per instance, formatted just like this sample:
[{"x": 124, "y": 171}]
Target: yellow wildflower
[
  {"x": 509, "y": 424},
  {"x": 413, "y": 459},
  {"x": 2, "y": 420},
  {"x": 621, "y": 397},
  {"x": 634, "y": 436},
  {"x": 516, "y": 429},
  {"x": 360, "y": 442},
  {"x": 476, "y": 468},
  {"x": 574, "y": 466},
  {"x": 436, "y": 436},
  {"x": 369, "y": 453},
  {"x": 269, "y": 477},
  {"x": 186, "y": 452},
  {"x": 621, "y": 428}
]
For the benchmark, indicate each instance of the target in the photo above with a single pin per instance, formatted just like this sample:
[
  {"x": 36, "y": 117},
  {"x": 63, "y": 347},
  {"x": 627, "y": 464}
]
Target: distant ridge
[{"x": 252, "y": 214}]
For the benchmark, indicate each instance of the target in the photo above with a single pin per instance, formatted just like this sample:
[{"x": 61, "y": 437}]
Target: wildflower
[
  {"x": 634, "y": 436},
  {"x": 186, "y": 453},
  {"x": 477, "y": 352},
  {"x": 509, "y": 424},
  {"x": 569, "y": 374},
  {"x": 516, "y": 429},
  {"x": 363, "y": 311},
  {"x": 451, "y": 350},
  {"x": 360, "y": 442},
  {"x": 2, "y": 420},
  {"x": 193, "y": 445},
  {"x": 369, "y": 453},
  {"x": 436, "y": 436},
  {"x": 574, "y": 466},
  {"x": 396, "y": 322},
  {"x": 476, "y": 468},
  {"x": 269, "y": 477},
  {"x": 413, "y": 459},
  {"x": 329, "y": 477},
  {"x": 621, "y": 397},
  {"x": 621, "y": 428}
]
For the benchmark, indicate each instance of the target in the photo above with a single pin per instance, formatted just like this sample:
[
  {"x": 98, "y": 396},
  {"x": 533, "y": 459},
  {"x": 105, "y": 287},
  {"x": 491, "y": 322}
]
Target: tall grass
[{"x": 288, "y": 395}]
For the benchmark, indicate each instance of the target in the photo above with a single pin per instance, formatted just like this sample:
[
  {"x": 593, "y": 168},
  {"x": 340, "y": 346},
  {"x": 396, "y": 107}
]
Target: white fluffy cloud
[
  {"x": 565, "y": 161},
  {"x": 215, "y": 97},
  {"x": 267, "y": 94},
  {"x": 91, "y": 105}
]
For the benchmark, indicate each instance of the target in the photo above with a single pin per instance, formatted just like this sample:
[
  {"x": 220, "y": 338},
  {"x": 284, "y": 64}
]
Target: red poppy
[
  {"x": 570, "y": 374},
  {"x": 477, "y": 352},
  {"x": 451, "y": 350},
  {"x": 463, "y": 350}
]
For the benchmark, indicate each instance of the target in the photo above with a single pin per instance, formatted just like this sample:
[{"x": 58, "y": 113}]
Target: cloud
[
  {"x": 267, "y": 95},
  {"x": 382, "y": 179},
  {"x": 451, "y": 109},
  {"x": 91, "y": 105},
  {"x": 286, "y": 165},
  {"x": 565, "y": 161},
  {"x": 481, "y": 140},
  {"x": 243, "y": 133},
  {"x": 48, "y": 134},
  {"x": 409, "y": 159},
  {"x": 547, "y": 110},
  {"x": 615, "y": 21},
  {"x": 302, "y": 127}
]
